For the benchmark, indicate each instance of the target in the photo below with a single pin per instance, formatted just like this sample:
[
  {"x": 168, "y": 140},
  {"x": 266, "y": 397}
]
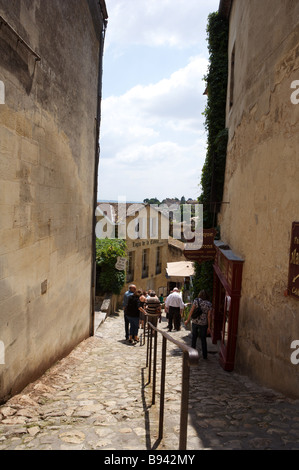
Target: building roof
[
  {"x": 99, "y": 15},
  {"x": 109, "y": 210},
  {"x": 225, "y": 8},
  {"x": 135, "y": 209},
  {"x": 175, "y": 243},
  {"x": 103, "y": 9}
]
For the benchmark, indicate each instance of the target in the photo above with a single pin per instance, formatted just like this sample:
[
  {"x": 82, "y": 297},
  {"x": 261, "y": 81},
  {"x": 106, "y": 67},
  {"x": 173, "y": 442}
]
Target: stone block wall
[
  {"x": 47, "y": 167},
  {"x": 261, "y": 184}
]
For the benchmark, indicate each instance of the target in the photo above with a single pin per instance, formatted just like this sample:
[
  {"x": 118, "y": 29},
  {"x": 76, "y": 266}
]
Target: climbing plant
[
  {"x": 212, "y": 179},
  {"x": 109, "y": 279}
]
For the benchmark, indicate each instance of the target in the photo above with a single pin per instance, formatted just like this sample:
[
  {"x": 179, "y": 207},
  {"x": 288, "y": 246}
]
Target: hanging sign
[
  {"x": 207, "y": 251},
  {"x": 293, "y": 286},
  {"x": 121, "y": 264}
]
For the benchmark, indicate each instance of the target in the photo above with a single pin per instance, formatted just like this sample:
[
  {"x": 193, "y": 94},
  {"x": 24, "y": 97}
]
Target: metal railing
[{"x": 190, "y": 359}]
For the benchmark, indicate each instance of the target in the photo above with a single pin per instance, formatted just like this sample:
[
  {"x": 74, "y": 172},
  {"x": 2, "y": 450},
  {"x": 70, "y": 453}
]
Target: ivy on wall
[
  {"x": 212, "y": 180},
  {"x": 109, "y": 279}
]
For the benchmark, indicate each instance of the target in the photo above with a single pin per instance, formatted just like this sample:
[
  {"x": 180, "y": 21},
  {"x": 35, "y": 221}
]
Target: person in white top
[{"x": 174, "y": 306}]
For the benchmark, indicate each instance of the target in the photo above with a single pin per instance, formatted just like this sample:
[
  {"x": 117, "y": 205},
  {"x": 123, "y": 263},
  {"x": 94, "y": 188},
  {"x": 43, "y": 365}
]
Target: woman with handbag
[{"x": 200, "y": 316}]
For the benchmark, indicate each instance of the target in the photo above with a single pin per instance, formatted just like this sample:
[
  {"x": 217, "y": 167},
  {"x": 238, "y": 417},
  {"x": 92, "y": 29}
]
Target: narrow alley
[{"x": 96, "y": 399}]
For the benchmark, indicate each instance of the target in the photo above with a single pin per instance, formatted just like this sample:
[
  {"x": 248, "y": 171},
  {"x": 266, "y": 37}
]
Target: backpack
[{"x": 197, "y": 312}]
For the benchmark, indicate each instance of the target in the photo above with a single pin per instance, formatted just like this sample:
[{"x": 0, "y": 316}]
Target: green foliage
[
  {"x": 212, "y": 180},
  {"x": 109, "y": 279},
  {"x": 186, "y": 312},
  {"x": 203, "y": 279},
  {"x": 153, "y": 200}
]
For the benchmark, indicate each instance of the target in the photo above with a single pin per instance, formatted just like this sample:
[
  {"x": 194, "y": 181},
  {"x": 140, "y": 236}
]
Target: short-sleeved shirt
[
  {"x": 126, "y": 298},
  {"x": 133, "y": 306},
  {"x": 205, "y": 307},
  {"x": 175, "y": 300},
  {"x": 152, "y": 304}
]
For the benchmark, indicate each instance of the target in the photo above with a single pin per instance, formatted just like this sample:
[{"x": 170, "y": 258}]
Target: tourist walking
[
  {"x": 200, "y": 316},
  {"x": 133, "y": 314},
  {"x": 174, "y": 306},
  {"x": 142, "y": 300},
  {"x": 127, "y": 295},
  {"x": 153, "y": 308}
]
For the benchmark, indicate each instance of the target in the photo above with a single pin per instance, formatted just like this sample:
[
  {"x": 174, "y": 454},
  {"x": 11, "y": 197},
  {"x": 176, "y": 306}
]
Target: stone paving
[{"x": 97, "y": 399}]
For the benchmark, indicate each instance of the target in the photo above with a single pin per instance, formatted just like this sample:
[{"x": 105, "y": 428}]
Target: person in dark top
[
  {"x": 133, "y": 314},
  {"x": 130, "y": 291}
]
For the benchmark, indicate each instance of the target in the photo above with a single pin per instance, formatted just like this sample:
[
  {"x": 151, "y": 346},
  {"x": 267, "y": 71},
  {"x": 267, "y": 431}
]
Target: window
[
  {"x": 130, "y": 266},
  {"x": 154, "y": 227},
  {"x": 145, "y": 263},
  {"x": 158, "y": 260},
  {"x": 140, "y": 228}
]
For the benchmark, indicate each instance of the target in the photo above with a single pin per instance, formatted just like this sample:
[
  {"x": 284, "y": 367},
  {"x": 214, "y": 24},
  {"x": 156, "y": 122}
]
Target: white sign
[{"x": 121, "y": 264}]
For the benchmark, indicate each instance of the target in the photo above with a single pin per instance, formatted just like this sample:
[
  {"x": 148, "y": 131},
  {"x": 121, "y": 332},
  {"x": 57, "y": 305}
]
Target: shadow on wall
[{"x": 104, "y": 307}]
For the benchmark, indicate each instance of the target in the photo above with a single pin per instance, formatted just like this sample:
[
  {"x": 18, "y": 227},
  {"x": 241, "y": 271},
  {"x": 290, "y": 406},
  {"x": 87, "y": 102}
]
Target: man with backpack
[{"x": 200, "y": 316}]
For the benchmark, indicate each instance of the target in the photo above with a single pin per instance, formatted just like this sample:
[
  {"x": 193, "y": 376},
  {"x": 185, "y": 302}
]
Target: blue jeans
[
  {"x": 134, "y": 326},
  {"x": 127, "y": 326},
  {"x": 201, "y": 331}
]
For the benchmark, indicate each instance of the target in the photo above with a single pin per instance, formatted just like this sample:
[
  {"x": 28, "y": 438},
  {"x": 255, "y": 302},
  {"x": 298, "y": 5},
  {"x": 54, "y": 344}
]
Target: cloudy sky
[{"x": 153, "y": 141}]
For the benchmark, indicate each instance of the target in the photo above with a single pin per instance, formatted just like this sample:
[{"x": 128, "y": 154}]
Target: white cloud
[
  {"x": 155, "y": 134},
  {"x": 153, "y": 142},
  {"x": 171, "y": 104},
  {"x": 161, "y": 170},
  {"x": 175, "y": 23}
]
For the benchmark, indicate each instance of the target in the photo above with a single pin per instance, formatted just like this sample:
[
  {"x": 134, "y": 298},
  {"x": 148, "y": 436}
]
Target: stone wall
[
  {"x": 47, "y": 166},
  {"x": 261, "y": 183}
]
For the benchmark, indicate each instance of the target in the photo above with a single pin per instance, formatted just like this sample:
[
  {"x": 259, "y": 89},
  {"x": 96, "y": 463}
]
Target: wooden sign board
[{"x": 207, "y": 251}]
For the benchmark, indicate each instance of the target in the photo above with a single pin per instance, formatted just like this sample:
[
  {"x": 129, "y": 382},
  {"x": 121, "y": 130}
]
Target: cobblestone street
[{"x": 96, "y": 399}]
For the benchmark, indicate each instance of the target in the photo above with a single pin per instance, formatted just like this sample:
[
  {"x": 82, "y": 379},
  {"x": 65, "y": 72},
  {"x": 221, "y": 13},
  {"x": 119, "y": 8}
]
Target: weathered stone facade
[
  {"x": 50, "y": 66},
  {"x": 149, "y": 246},
  {"x": 261, "y": 183}
]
